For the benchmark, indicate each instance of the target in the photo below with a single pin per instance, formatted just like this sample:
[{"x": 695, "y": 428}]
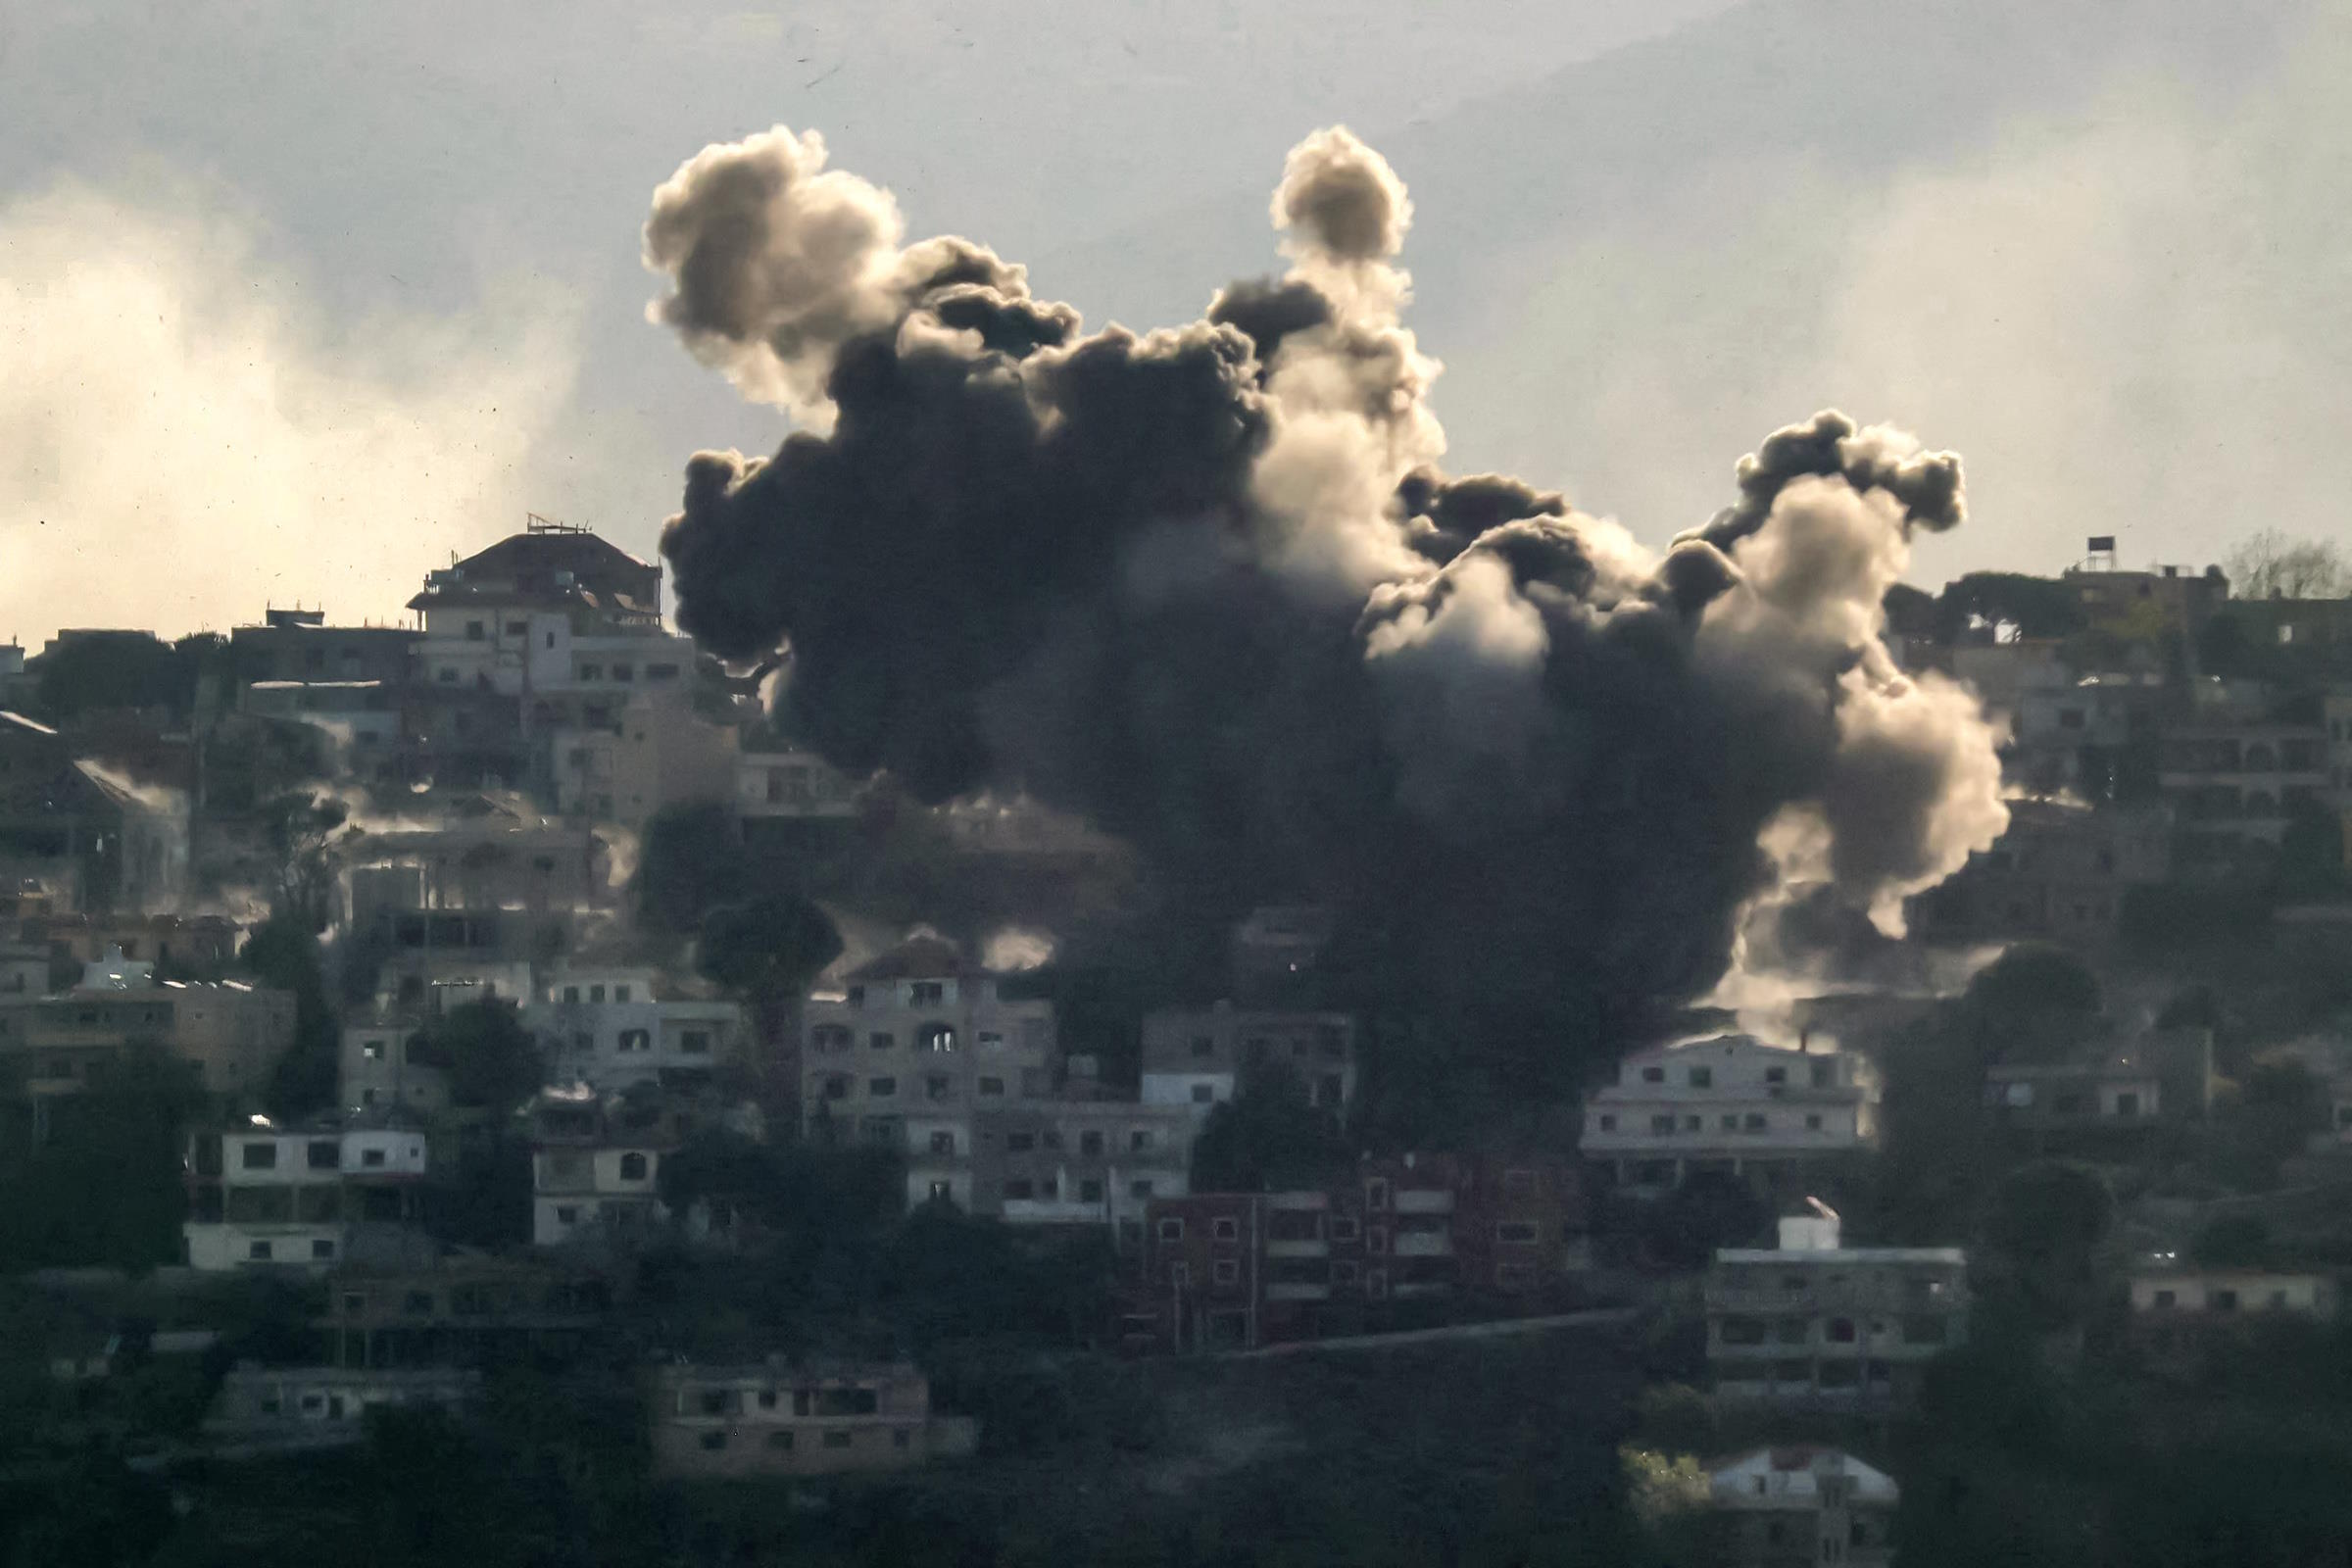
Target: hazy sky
[{"x": 297, "y": 300}]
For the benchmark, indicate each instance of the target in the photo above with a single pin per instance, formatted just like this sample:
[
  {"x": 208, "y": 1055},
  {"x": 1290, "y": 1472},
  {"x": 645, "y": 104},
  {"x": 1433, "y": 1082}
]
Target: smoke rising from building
[{"x": 1211, "y": 587}]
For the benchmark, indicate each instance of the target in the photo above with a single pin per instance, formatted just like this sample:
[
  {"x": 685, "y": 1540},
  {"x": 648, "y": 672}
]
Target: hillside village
[{"x": 487, "y": 1031}]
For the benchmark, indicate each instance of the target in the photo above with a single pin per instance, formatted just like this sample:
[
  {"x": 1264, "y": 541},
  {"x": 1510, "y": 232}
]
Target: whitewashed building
[
  {"x": 1196, "y": 1057},
  {"x": 1801, "y": 1505},
  {"x": 609, "y": 1027},
  {"x": 1730, "y": 1103},
  {"x": 261, "y": 1195}
]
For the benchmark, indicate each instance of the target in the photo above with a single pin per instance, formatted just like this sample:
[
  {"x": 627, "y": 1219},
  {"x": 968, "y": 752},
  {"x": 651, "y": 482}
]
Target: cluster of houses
[{"x": 537, "y": 712}]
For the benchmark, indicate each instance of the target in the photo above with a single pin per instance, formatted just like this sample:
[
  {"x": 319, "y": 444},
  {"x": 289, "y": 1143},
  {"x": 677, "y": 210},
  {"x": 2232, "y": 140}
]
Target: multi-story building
[
  {"x": 657, "y": 753},
  {"x": 1078, "y": 1162},
  {"x": 2072, "y": 734},
  {"x": 1426, "y": 1233},
  {"x": 2148, "y": 604},
  {"x": 2059, "y": 873},
  {"x": 1813, "y": 1323},
  {"x": 596, "y": 1169},
  {"x": 778, "y": 1418},
  {"x": 231, "y": 1032},
  {"x": 110, "y": 841},
  {"x": 776, "y": 791},
  {"x": 916, "y": 1044},
  {"x": 1733, "y": 1104},
  {"x": 488, "y": 850},
  {"x": 385, "y": 1064},
  {"x": 467, "y": 1310},
  {"x": 609, "y": 1027},
  {"x": 2242, "y": 781},
  {"x": 261, "y": 1196},
  {"x": 262, "y": 1409},
  {"x": 1196, "y": 1057},
  {"x": 2052, "y": 1096},
  {"x": 1795, "y": 1507}
]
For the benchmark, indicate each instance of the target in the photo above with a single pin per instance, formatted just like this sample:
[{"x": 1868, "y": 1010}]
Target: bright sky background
[{"x": 296, "y": 300}]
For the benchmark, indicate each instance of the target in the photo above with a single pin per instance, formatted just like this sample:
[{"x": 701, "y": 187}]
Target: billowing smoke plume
[{"x": 1210, "y": 587}]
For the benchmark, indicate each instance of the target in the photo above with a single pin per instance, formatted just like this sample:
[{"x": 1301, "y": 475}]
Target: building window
[
  {"x": 635, "y": 1039},
  {"x": 837, "y": 1087},
  {"x": 2165, "y": 1299},
  {"x": 620, "y": 993},
  {"x": 880, "y": 1040},
  {"x": 1375, "y": 1240},
  {"x": 323, "y": 1153},
  {"x": 258, "y": 1252},
  {"x": 1226, "y": 1271},
  {"x": 926, "y": 993},
  {"x": 1202, "y": 1094},
  {"x": 881, "y": 1088},
  {"x": 596, "y": 994},
  {"x": 1139, "y": 1140},
  {"x": 372, "y": 1157},
  {"x": 1376, "y": 1193},
  {"x": 1776, "y": 1075},
  {"x": 780, "y": 1440},
  {"x": 1019, "y": 1143},
  {"x": 836, "y": 1439},
  {"x": 1841, "y": 1331},
  {"x": 1755, "y": 1122},
  {"x": 1608, "y": 1123},
  {"x": 1653, "y": 1075},
  {"x": 372, "y": 1051},
  {"x": 1346, "y": 1228},
  {"x": 323, "y": 1249},
  {"x": 1140, "y": 1187},
  {"x": 1690, "y": 1124},
  {"x": 1225, "y": 1227},
  {"x": 1662, "y": 1124},
  {"x": 941, "y": 1192},
  {"x": 632, "y": 1167},
  {"x": 1813, "y": 1121},
  {"x": 937, "y": 1086},
  {"x": 943, "y": 1142},
  {"x": 260, "y": 1156},
  {"x": 475, "y": 631},
  {"x": 1090, "y": 1192},
  {"x": 568, "y": 1214},
  {"x": 938, "y": 1037},
  {"x": 1702, "y": 1077},
  {"x": 1090, "y": 1143},
  {"x": 1171, "y": 1229},
  {"x": 991, "y": 1086},
  {"x": 1020, "y": 1191},
  {"x": 2222, "y": 1300},
  {"x": 572, "y": 992},
  {"x": 712, "y": 1441}
]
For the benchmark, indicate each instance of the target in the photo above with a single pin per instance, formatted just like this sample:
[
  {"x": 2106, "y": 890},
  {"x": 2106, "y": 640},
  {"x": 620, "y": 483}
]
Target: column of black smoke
[{"x": 1208, "y": 587}]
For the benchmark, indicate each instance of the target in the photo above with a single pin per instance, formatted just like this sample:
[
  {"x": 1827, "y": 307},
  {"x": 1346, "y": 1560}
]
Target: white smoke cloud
[{"x": 185, "y": 435}]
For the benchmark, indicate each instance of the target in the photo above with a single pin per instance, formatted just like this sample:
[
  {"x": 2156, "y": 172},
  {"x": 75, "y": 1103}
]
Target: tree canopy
[{"x": 2272, "y": 564}]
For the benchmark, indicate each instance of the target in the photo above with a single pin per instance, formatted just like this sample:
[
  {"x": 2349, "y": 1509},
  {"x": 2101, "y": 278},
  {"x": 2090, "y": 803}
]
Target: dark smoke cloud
[{"x": 1211, "y": 589}]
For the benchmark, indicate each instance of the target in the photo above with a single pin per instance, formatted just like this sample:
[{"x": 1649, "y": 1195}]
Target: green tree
[
  {"x": 2271, "y": 564},
  {"x": 2035, "y": 1002},
  {"x": 1268, "y": 1135},
  {"x": 284, "y": 953},
  {"x": 104, "y": 1186},
  {"x": 492, "y": 1062},
  {"x": 2044, "y": 1227}
]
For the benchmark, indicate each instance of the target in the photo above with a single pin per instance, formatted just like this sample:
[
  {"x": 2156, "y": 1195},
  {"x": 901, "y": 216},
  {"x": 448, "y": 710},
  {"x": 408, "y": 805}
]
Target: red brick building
[{"x": 1397, "y": 1243}]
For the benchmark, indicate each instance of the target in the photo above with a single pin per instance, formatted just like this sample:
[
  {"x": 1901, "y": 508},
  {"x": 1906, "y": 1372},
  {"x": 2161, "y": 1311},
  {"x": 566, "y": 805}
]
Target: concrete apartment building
[
  {"x": 1196, "y": 1056},
  {"x": 2222, "y": 1299},
  {"x": 1078, "y": 1162},
  {"x": 261, "y": 1195},
  {"x": 779, "y": 1418},
  {"x": 1427, "y": 1234},
  {"x": 462, "y": 1309},
  {"x": 596, "y": 1169},
  {"x": 385, "y": 1064},
  {"x": 779, "y": 791},
  {"x": 658, "y": 753},
  {"x": 2242, "y": 781},
  {"x": 1800, "y": 1506},
  {"x": 1731, "y": 1105},
  {"x": 2052, "y": 1097},
  {"x": 1813, "y": 1324},
  {"x": 609, "y": 1027},
  {"x": 914, "y": 1047},
  {"x": 2059, "y": 873},
  {"x": 278, "y": 1409},
  {"x": 104, "y": 840},
  {"x": 231, "y": 1032}
]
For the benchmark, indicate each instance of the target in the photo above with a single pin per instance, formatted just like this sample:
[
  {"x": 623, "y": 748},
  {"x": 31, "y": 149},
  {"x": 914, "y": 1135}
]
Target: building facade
[
  {"x": 596, "y": 1170},
  {"x": 266, "y": 1196},
  {"x": 608, "y": 1027},
  {"x": 912, "y": 1049},
  {"x": 779, "y": 1418},
  {"x": 1798, "y": 1507},
  {"x": 1733, "y": 1104},
  {"x": 1812, "y": 1324},
  {"x": 1196, "y": 1057}
]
